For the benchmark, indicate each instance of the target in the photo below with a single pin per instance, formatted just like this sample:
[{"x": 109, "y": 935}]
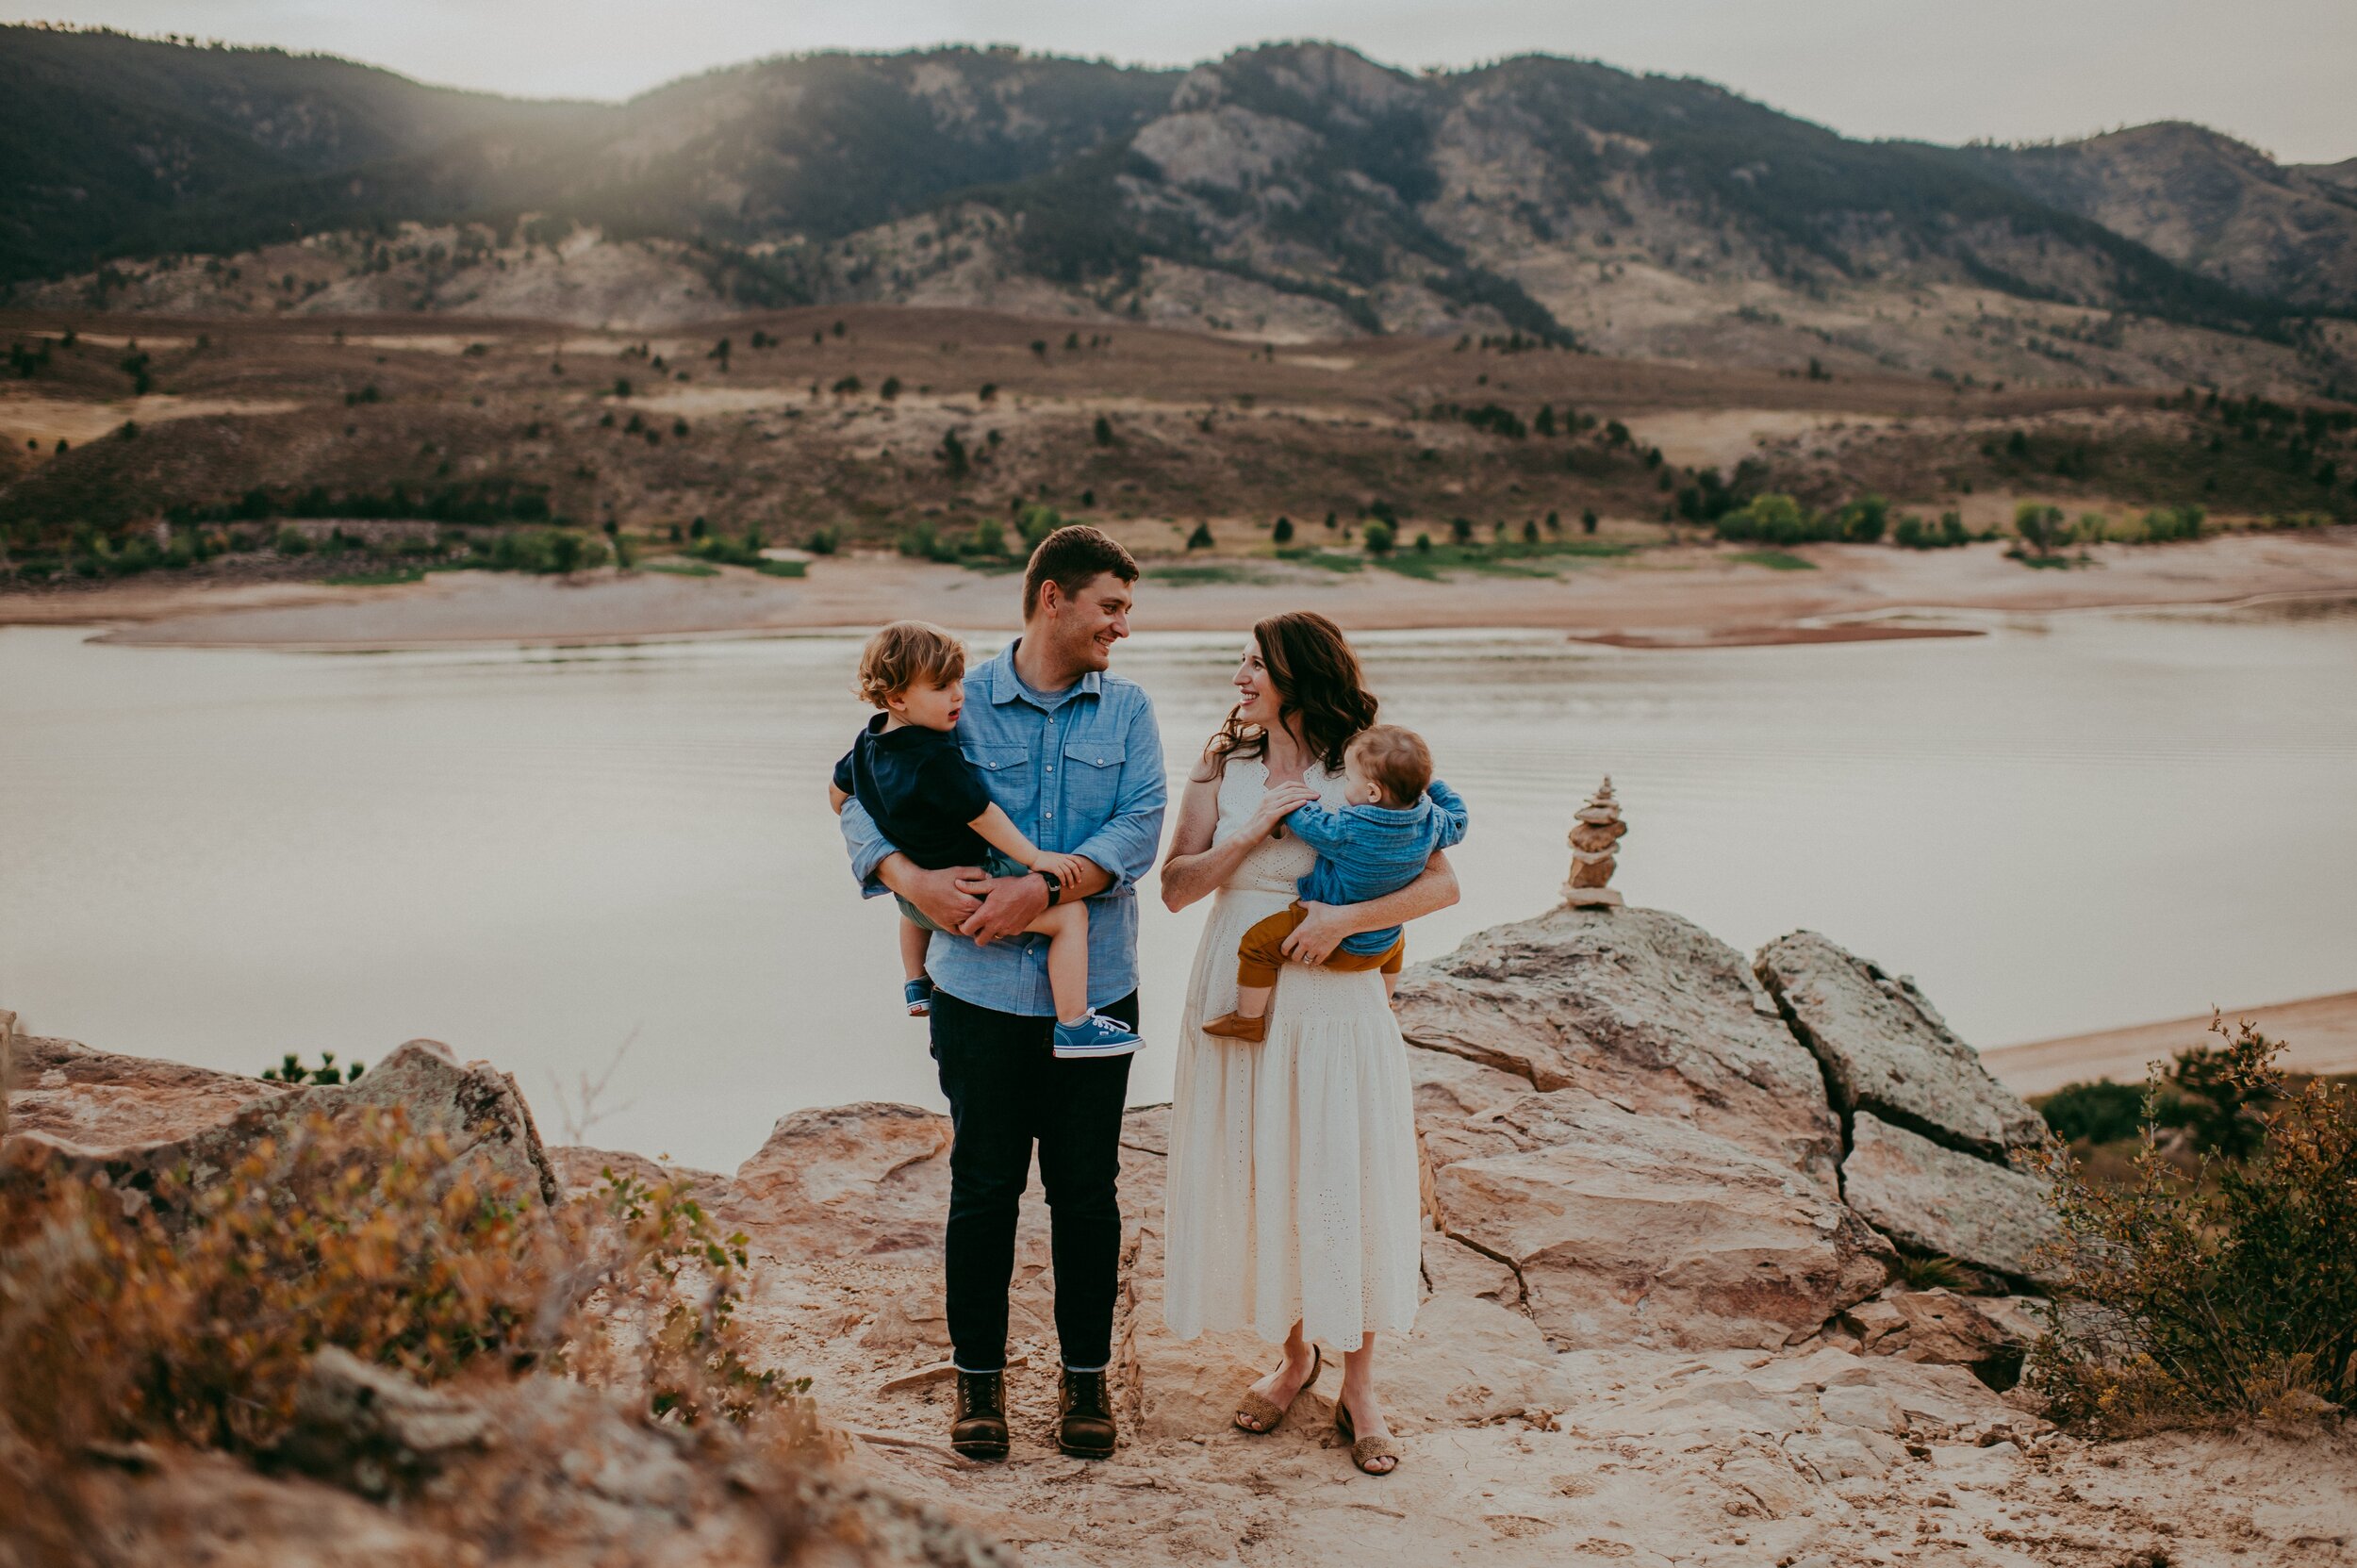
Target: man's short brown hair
[
  {"x": 1073, "y": 557},
  {"x": 1396, "y": 759},
  {"x": 902, "y": 654}
]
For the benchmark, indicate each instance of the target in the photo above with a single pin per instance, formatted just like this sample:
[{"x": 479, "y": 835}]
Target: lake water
[{"x": 2074, "y": 822}]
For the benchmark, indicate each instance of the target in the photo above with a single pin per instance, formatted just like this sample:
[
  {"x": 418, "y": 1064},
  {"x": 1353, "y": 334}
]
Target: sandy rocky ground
[
  {"x": 1663, "y": 1184},
  {"x": 1677, "y": 597}
]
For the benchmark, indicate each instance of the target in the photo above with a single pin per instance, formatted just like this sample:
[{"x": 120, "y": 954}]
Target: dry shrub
[
  {"x": 2225, "y": 1291},
  {"x": 362, "y": 1235}
]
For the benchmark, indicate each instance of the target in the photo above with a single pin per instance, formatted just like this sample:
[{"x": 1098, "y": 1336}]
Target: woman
[{"x": 1294, "y": 1206}]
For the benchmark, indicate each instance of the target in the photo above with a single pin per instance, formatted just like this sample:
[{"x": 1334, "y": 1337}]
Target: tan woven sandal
[
  {"x": 1267, "y": 1411},
  {"x": 1364, "y": 1451}
]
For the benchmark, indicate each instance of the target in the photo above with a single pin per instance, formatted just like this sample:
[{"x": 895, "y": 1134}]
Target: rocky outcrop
[
  {"x": 66, "y": 1092},
  {"x": 128, "y": 1121},
  {"x": 1639, "y": 1008},
  {"x": 1989, "y": 1335},
  {"x": 1637, "y": 1228},
  {"x": 1933, "y": 1199},
  {"x": 1887, "y": 1050}
]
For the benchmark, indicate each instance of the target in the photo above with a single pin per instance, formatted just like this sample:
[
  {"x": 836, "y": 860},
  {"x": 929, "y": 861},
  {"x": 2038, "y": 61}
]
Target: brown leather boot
[
  {"x": 978, "y": 1430},
  {"x": 1235, "y": 1026},
  {"x": 1085, "y": 1429}
]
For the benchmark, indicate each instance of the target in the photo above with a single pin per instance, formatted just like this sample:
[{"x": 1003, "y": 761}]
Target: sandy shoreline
[
  {"x": 1690, "y": 596},
  {"x": 2319, "y": 1033}
]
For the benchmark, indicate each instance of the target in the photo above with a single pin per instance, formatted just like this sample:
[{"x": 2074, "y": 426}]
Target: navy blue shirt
[{"x": 920, "y": 789}]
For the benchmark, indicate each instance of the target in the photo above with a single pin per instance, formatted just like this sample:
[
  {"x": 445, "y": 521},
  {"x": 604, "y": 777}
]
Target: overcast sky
[{"x": 2277, "y": 72}]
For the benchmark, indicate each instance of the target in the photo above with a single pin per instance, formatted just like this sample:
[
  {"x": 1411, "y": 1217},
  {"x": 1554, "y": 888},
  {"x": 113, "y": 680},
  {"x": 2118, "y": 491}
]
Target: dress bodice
[{"x": 1278, "y": 862}]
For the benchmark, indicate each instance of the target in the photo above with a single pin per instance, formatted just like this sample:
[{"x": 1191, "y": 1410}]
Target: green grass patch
[
  {"x": 1774, "y": 560},
  {"x": 376, "y": 579},
  {"x": 781, "y": 569},
  {"x": 1422, "y": 565},
  {"x": 683, "y": 569},
  {"x": 1326, "y": 560},
  {"x": 1205, "y": 571}
]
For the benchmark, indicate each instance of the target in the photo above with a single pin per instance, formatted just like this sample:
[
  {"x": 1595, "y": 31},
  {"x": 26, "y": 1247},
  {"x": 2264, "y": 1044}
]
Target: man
[{"x": 1073, "y": 756}]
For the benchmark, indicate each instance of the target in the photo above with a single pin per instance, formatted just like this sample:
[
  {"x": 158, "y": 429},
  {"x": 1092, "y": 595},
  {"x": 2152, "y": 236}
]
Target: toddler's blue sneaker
[
  {"x": 1095, "y": 1035},
  {"x": 918, "y": 993}
]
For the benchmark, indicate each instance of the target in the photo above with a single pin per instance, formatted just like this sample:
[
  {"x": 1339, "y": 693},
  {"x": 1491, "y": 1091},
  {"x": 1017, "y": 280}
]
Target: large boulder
[
  {"x": 1638, "y": 1007},
  {"x": 1627, "y": 1228},
  {"x": 1937, "y": 1200},
  {"x": 69, "y": 1094},
  {"x": 1887, "y": 1050},
  {"x": 125, "y": 1121},
  {"x": 859, "y": 1181}
]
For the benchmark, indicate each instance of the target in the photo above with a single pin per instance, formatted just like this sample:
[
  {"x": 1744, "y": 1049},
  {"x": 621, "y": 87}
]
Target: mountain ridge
[{"x": 1290, "y": 190}]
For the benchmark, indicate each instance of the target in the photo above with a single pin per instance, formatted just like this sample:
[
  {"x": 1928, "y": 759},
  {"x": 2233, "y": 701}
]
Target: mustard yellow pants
[{"x": 1261, "y": 952}]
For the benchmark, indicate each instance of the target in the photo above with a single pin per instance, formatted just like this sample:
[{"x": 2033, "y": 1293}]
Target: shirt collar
[{"x": 1006, "y": 686}]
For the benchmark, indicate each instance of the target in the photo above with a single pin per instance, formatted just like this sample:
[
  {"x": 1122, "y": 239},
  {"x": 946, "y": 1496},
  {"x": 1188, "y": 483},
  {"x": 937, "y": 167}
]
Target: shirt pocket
[
  {"x": 1006, "y": 771},
  {"x": 1092, "y": 785}
]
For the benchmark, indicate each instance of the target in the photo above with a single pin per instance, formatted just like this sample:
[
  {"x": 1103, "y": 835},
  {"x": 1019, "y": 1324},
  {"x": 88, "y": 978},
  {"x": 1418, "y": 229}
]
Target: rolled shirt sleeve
[
  {"x": 1455, "y": 818},
  {"x": 868, "y": 847},
  {"x": 1124, "y": 847}
]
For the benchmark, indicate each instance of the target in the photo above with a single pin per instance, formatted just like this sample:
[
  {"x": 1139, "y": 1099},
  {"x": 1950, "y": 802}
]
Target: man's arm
[{"x": 879, "y": 867}]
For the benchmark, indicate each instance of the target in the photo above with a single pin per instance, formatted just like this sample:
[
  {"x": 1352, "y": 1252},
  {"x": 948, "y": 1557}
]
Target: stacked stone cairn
[{"x": 1595, "y": 835}]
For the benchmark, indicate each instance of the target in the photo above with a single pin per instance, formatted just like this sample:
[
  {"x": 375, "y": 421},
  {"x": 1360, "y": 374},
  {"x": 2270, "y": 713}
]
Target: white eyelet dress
[{"x": 1292, "y": 1189}]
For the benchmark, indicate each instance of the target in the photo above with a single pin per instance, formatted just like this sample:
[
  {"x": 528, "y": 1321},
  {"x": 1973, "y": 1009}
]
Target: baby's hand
[{"x": 1064, "y": 869}]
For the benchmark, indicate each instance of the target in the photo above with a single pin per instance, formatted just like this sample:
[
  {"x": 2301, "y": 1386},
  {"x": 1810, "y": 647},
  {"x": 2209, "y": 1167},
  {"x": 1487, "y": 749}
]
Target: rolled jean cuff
[
  {"x": 978, "y": 1371},
  {"x": 1069, "y": 1368}
]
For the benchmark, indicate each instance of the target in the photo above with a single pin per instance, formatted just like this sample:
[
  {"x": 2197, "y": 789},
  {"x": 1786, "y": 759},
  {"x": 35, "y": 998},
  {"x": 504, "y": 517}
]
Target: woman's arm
[
  {"x": 836, "y": 795},
  {"x": 1324, "y": 926},
  {"x": 1195, "y": 867}
]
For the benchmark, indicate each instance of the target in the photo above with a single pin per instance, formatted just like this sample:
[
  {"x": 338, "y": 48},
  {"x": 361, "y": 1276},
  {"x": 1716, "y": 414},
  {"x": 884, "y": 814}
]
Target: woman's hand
[
  {"x": 1322, "y": 930},
  {"x": 1280, "y": 802}
]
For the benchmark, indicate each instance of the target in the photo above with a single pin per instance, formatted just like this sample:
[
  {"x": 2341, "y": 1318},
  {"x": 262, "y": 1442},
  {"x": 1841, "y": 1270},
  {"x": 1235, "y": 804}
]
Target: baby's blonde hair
[
  {"x": 1396, "y": 759},
  {"x": 903, "y": 653}
]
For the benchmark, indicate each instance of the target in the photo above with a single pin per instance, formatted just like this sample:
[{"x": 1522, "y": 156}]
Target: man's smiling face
[{"x": 1083, "y": 627}]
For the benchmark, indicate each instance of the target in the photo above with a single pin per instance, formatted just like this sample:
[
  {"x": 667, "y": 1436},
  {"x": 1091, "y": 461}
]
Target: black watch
[{"x": 1055, "y": 889}]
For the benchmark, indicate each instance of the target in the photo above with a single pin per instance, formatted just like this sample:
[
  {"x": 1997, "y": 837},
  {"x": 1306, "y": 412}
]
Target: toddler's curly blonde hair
[{"x": 903, "y": 653}]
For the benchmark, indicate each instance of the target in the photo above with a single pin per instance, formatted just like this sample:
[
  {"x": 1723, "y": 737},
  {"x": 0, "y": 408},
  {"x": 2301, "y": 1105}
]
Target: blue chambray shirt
[{"x": 1080, "y": 773}]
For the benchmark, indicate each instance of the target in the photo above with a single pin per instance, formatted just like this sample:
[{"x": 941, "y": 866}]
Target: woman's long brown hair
[{"x": 1318, "y": 679}]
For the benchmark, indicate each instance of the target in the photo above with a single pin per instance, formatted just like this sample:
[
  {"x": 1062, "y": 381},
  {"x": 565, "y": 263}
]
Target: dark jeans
[{"x": 1007, "y": 1091}]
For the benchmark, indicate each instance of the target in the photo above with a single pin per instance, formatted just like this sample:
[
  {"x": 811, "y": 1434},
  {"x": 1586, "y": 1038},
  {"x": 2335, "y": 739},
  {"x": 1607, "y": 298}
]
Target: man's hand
[
  {"x": 941, "y": 895},
  {"x": 1322, "y": 930},
  {"x": 1008, "y": 907}
]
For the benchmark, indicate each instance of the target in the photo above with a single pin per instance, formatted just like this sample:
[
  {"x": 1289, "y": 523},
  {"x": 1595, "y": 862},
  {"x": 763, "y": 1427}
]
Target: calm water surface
[{"x": 2074, "y": 822}]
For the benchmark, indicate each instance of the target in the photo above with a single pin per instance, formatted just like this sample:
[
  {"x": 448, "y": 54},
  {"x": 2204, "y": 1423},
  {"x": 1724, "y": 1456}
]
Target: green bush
[
  {"x": 1862, "y": 521},
  {"x": 1201, "y": 539},
  {"x": 291, "y": 541},
  {"x": 2226, "y": 1292},
  {"x": 2040, "y": 526},
  {"x": 1379, "y": 537},
  {"x": 2167, "y": 524},
  {"x": 2100, "y": 1112},
  {"x": 1913, "y": 533},
  {"x": 923, "y": 542},
  {"x": 1776, "y": 519},
  {"x": 1283, "y": 532}
]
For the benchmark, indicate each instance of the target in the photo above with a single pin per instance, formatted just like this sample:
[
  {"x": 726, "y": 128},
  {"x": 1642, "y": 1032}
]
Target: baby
[
  {"x": 1397, "y": 816},
  {"x": 906, "y": 769}
]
